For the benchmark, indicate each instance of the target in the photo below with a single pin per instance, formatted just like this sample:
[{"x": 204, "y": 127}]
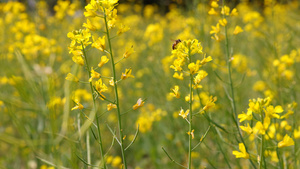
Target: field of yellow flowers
[{"x": 121, "y": 85}]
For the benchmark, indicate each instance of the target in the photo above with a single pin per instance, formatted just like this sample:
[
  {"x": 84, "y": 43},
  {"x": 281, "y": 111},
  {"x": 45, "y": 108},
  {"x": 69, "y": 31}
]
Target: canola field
[{"x": 121, "y": 85}]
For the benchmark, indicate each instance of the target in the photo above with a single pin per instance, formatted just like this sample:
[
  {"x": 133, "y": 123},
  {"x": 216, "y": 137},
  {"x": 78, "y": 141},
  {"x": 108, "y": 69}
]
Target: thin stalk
[
  {"x": 233, "y": 104},
  {"x": 116, "y": 92},
  {"x": 88, "y": 147},
  {"x": 190, "y": 115},
  {"x": 262, "y": 157},
  {"x": 95, "y": 108}
]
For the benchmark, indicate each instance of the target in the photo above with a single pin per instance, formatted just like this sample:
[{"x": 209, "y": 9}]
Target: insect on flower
[{"x": 175, "y": 43}]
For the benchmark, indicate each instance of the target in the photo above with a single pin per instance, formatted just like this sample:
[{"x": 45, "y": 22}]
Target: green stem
[
  {"x": 232, "y": 90},
  {"x": 262, "y": 145},
  {"x": 95, "y": 108},
  {"x": 116, "y": 92},
  {"x": 190, "y": 115}
]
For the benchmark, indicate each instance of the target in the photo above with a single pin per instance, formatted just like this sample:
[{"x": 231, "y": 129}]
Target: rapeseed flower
[
  {"x": 287, "y": 141},
  {"x": 127, "y": 74},
  {"x": 243, "y": 153},
  {"x": 138, "y": 104}
]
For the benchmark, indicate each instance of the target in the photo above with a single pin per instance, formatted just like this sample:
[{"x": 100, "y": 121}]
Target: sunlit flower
[
  {"x": 297, "y": 133},
  {"x": 215, "y": 29},
  {"x": 72, "y": 77},
  {"x": 245, "y": 116},
  {"x": 237, "y": 30},
  {"x": 191, "y": 133},
  {"x": 175, "y": 92},
  {"x": 243, "y": 153},
  {"x": 287, "y": 141},
  {"x": 225, "y": 10},
  {"x": 78, "y": 105},
  {"x": 111, "y": 106},
  {"x": 223, "y": 22},
  {"x": 104, "y": 60},
  {"x": 94, "y": 74},
  {"x": 128, "y": 52},
  {"x": 260, "y": 127},
  {"x": 100, "y": 87},
  {"x": 127, "y": 74},
  {"x": 99, "y": 43},
  {"x": 178, "y": 76},
  {"x": 272, "y": 112},
  {"x": 138, "y": 104},
  {"x": 210, "y": 103},
  {"x": 89, "y": 25},
  {"x": 122, "y": 29},
  {"x": 247, "y": 128},
  {"x": 184, "y": 114}
]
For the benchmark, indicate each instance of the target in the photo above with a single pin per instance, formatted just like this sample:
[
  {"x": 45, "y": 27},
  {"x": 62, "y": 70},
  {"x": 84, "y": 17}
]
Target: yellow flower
[
  {"x": 72, "y": 77},
  {"x": 287, "y": 141},
  {"x": 271, "y": 111},
  {"x": 214, "y": 4},
  {"x": 99, "y": 43},
  {"x": 234, "y": 12},
  {"x": 215, "y": 29},
  {"x": 122, "y": 29},
  {"x": 177, "y": 64},
  {"x": 223, "y": 22},
  {"x": 104, "y": 60},
  {"x": 225, "y": 10},
  {"x": 138, "y": 104},
  {"x": 247, "y": 129},
  {"x": 262, "y": 128},
  {"x": 111, "y": 106},
  {"x": 89, "y": 25},
  {"x": 194, "y": 67},
  {"x": 200, "y": 76},
  {"x": 175, "y": 92},
  {"x": 210, "y": 103},
  {"x": 191, "y": 133},
  {"x": 206, "y": 60},
  {"x": 78, "y": 106},
  {"x": 100, "y": 87},
  {"x": 127, "y": 74},
  {"x": 237, "y": 30},
  {"x": 78, "y": 60},
  {"x": 212, "y": 11},
  {"x": 245, "y": 116},
  {"x": 184, "y": 114},
  {"x": 297, "y": 133},
  {"x": 242, "y": 154},
  {"x": 94, "y": 74},
  {"x": 177, "y": 76},
  {"x": 128, "y": 52}
]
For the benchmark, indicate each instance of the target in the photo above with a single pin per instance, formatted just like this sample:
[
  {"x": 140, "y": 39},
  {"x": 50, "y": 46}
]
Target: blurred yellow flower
[
  {"x": 242, "y": 153},
  {"x": 94, "y": 74},
  {"x": 122, "y": 29},
  {"x": 99, "y": 43},
  {"x": 184, "y": 114},
  {"x": 104, "y": 60},
  {"x": 72, "y": 77},
  {"x": 78, "y": 106},
  {"x": 287, "y": 141},
  {"x": 175, "y": 92},
  {"x": 237, "y": 30},
  {"x": 127, "y": 74},
  {"x": 111, "y": 106},
  {"x": 128, "y": 52},
  {"x": 138, "y": 104}
]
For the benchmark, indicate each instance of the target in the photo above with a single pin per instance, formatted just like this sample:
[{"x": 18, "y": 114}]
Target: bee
[{"x": 175, "y": 43}]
